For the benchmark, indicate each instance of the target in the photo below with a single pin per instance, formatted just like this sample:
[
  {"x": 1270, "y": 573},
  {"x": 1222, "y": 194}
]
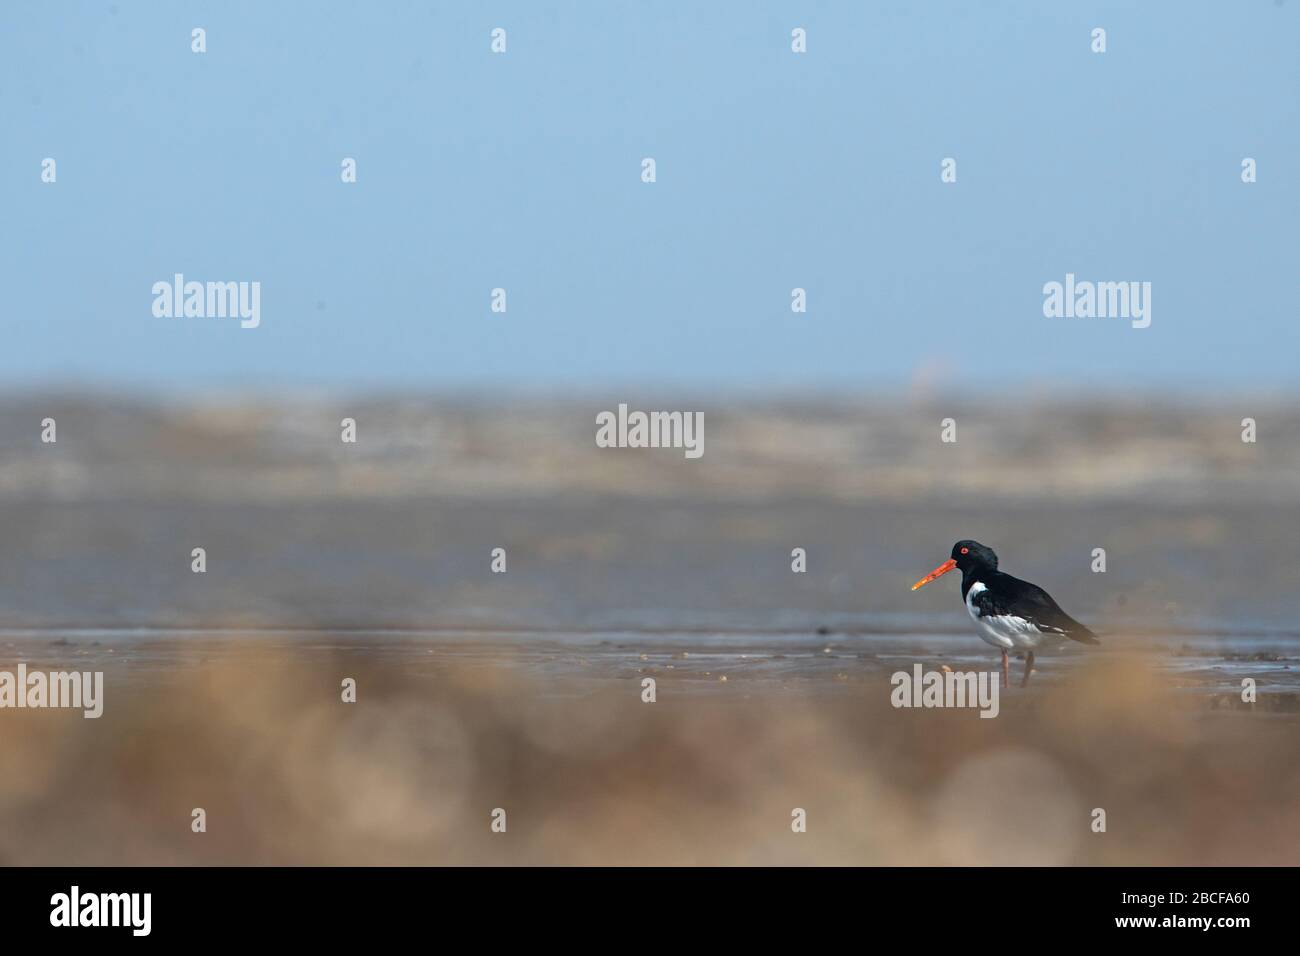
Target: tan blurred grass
[{"x": 588, "y": 774}]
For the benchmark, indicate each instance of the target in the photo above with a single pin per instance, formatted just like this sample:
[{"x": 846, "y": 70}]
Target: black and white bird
[{"x": 1009, "y": 613}]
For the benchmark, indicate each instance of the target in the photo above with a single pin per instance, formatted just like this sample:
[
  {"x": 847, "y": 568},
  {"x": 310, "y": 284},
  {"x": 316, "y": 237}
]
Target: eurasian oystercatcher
[{"x": 1009, "y": 613}]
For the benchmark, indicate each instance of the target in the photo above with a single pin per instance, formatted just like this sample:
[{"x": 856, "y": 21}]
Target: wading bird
[{"x": 1009, "y": 613}]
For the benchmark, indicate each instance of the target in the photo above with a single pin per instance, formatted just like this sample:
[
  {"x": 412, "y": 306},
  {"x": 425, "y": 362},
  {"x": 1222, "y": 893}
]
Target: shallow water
[{"x": 1207, "y": 666}]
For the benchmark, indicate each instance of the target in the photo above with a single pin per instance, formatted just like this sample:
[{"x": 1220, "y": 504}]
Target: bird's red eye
[{"x": 965, "y": 550}]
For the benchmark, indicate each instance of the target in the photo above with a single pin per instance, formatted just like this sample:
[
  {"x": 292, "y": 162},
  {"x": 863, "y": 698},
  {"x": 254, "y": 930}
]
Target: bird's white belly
[{"x": 1005, "y": 631}]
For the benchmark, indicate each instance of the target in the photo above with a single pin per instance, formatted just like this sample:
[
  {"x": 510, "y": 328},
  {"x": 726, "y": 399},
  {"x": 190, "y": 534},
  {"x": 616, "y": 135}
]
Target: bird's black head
[{"x": 971, "y": 556}]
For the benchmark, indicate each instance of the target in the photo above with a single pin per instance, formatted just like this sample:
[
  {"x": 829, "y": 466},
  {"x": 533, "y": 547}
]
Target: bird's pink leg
[
  {"x": 1029, "y": 669},
  {"x": 1006, "y": 670}
]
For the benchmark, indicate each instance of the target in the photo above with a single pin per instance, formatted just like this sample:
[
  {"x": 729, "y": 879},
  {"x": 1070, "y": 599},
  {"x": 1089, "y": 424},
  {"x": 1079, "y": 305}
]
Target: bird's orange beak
[{"x": 938, "y": 572}]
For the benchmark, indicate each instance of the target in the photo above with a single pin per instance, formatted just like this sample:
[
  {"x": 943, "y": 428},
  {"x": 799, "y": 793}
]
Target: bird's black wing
[{"x": 1023, "y": 599}]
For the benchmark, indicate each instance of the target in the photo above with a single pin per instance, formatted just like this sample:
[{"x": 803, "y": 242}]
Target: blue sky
[{"x": 775, "y": 170}]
